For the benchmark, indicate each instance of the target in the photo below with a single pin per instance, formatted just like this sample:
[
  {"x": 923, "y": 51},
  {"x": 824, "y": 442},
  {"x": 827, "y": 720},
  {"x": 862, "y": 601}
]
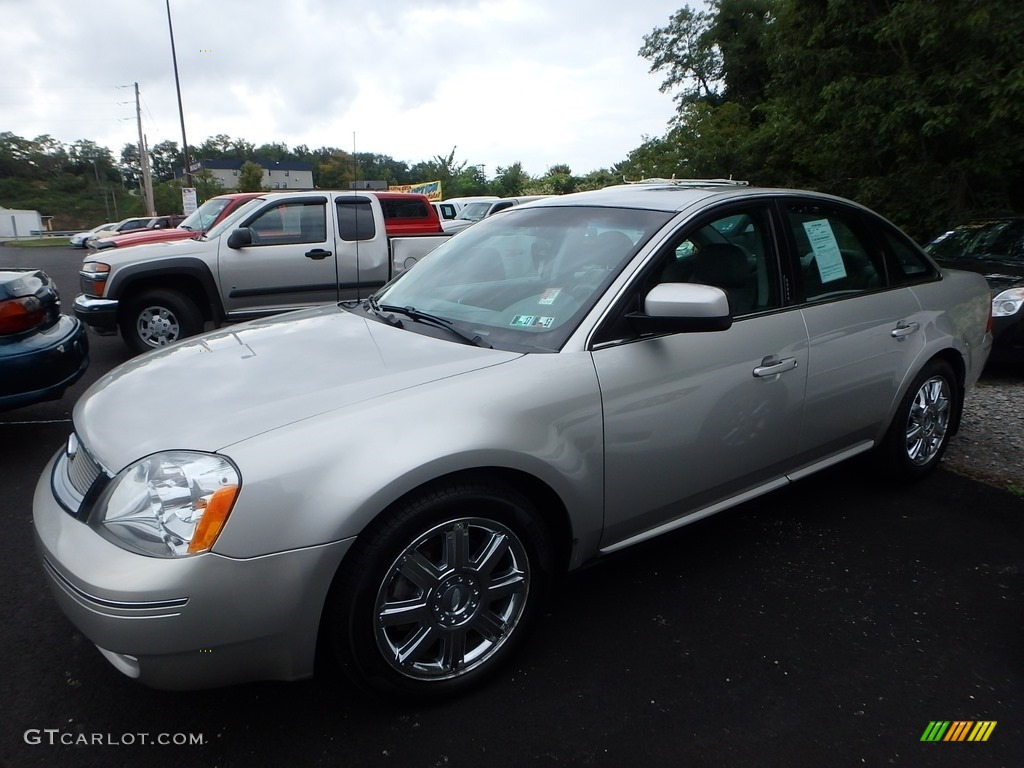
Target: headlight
[
  {"x": 94, "y": 276},
  {"x": 169, "y": 504},
  {"x": 1008, "y": 302}
]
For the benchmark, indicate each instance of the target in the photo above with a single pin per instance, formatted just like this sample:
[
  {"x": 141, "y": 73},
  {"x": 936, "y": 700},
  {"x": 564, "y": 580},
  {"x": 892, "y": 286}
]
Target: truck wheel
[
  {"x": 157, "y": 318},
  {"x": 437, "y": 593}
]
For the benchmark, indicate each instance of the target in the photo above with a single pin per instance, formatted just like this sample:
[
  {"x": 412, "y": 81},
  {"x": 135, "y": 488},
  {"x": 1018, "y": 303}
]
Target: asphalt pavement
[{"x": 828, "y": 624}]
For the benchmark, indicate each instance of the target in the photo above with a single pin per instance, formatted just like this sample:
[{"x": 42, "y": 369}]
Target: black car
[
  {"x": 995, "y": 249},
  {"x": 42, "y": 352}
]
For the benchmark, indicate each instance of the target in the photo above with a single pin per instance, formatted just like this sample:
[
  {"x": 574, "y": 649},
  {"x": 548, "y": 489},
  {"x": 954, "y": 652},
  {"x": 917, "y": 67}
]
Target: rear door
[
  {"x": 290, "y": 264},
  {"x": 865, "y": 326}
]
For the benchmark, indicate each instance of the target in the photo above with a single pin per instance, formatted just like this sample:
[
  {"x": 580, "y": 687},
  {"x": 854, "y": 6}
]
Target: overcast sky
[{"x": 535, "y": 81}]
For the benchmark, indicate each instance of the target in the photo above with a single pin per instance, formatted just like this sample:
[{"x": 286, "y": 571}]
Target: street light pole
[{"x": 187, "y": 178}]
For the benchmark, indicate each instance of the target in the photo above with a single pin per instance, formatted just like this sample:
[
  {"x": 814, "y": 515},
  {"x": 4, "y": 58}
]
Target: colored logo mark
[{"x": 959, "y": 730}]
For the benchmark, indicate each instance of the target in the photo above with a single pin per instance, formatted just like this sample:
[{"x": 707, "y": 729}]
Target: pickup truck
[
  {"x": 208, "y": 215},
  {"x": 277, "y": 252}
]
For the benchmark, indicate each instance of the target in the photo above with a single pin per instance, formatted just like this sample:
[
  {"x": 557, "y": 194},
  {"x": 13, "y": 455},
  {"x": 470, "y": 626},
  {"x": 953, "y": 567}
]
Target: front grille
[
  {"x": 82, "y": 467},
  {"x": 77, "y": 479}
]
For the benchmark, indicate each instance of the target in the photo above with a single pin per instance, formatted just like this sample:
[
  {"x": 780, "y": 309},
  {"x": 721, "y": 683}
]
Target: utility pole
[
  {"x": 147, "y": 180},
  {"x": 187, "y": 178}
]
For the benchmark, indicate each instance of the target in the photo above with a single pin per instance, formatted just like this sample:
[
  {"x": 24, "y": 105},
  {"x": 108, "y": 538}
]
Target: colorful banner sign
[{"x": 432, "y": 189}]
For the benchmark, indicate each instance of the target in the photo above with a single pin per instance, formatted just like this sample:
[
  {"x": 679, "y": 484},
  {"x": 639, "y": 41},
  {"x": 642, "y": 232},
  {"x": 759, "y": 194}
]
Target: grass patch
[
  {"x": 38, "y": 242},
  {"x": 1017, "y": 490}
]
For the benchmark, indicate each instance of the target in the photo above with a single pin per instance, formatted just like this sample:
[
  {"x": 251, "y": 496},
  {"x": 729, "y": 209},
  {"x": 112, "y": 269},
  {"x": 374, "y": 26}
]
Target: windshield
[
  {"x": 525, "y": 279},
  {"x": 474, "y": 211},
  {"x": 231, "y": 221},
  {"x": 202, "y": 218},
  {"x": 1002, "y": 239}
]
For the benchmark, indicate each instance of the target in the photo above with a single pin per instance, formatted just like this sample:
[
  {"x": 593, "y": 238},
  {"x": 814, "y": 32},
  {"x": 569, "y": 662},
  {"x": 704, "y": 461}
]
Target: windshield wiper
[
  {"x": 425, "y": 317},
  {"x": 371, "y": 305}
]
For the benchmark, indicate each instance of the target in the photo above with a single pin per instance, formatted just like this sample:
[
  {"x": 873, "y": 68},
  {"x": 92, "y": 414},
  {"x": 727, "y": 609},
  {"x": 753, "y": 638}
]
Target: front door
[
  {"x": 694, "y": 418},
  {"x": 291, "y": 262}
]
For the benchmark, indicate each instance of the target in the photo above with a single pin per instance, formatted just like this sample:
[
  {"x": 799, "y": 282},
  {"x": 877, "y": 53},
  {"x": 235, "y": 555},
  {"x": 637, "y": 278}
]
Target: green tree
[
  {"x": 250, "y": 177},
  {"x": 912, "y": 107},
  {"x": 510, "y": 181},
  {"x": 559, "y": 180},
  {"x": 166, "y": 160}
]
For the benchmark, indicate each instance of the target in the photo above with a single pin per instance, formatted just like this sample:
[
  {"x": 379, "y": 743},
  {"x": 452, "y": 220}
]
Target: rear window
[{"x": 405, "y": 209}]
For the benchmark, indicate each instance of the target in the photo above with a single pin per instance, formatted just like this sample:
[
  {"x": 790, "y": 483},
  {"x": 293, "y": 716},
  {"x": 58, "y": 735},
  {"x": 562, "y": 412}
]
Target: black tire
[
  {"x": 418, "y": 581},
  {"x": 920, "y": 430},
  {"x": 159, "y": 317}
]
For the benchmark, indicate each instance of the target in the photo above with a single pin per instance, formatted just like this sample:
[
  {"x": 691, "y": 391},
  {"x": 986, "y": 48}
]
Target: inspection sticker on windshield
[
  {"x": 549, "y": 296},
  {"x": 826, "y": 250},
  {"x": 531, "y": 321}
]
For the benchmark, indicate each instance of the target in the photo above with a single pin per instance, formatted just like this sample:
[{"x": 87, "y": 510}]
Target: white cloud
[{"x": 535, "y": 81}]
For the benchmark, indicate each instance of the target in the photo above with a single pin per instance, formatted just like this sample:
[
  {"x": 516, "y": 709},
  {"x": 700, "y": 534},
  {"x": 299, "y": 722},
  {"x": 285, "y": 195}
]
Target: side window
[
  {"x": 835, "y": 259},
  {"x": 735, "y": 253},
  {"x": 355, "y": 219},
  {"x": 290, "y": 223},
  {"x": 906, "y": 263}
]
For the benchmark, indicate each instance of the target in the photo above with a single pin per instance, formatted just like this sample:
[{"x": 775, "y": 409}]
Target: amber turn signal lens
[{"x": 214, "y": 516}]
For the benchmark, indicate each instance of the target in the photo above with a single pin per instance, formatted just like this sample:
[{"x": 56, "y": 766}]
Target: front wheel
[
  {"x": 920, "y": 431},
  {"x": 439, "y": 592},
  {"x": 158, "y": 318}
]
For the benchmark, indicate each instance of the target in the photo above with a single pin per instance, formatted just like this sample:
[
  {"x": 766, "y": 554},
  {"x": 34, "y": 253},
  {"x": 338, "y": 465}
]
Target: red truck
[
  {"x": 408, "y": 213},
  {"x": 199, "y": 221}
]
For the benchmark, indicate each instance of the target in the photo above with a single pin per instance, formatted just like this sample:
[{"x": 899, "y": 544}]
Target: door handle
[
  {"x": 905, "y": 329},
  {"x": 317, "y": 254},
  {"x": 773, "y": 365}
]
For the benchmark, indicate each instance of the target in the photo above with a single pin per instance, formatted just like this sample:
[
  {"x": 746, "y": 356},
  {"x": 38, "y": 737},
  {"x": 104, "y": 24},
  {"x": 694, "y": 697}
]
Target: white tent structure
[{"x": 19, "y": 223}]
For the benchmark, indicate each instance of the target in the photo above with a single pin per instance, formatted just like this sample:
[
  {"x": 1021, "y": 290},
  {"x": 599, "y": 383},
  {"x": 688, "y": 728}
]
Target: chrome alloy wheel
[
  {"x": 928, "y": 421},
  {"x": 451, "y": 599},
  {"x": 158, "y": 326}
]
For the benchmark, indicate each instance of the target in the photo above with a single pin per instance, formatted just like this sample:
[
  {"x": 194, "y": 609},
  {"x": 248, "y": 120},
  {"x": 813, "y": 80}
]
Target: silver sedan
[{"x": 390, "y": 485}]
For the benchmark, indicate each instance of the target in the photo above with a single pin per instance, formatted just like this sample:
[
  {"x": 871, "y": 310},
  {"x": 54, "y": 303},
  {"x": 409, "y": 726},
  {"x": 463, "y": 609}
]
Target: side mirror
[
  {"x": 240, "y": 238},
  {"x": 683, "y": 308}
]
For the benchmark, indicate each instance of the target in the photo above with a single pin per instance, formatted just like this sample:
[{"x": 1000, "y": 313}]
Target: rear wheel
[
  {"x": 920, "y": 431},
  {"x": 158, "y": 318},
  {"x": 439, "y": 592}
]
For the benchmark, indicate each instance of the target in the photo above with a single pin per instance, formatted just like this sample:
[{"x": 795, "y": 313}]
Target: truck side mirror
[{"x": 240, "y": 238}]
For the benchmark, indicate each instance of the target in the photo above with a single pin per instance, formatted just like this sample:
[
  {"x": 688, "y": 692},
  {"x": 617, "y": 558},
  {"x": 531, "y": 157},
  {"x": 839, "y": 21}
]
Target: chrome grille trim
[
  {"x": 77, "y": 479},
  {"x": 82, "y": 468}
]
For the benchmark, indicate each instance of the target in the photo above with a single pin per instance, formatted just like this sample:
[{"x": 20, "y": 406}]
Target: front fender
[{"x": 325, "y": 478}]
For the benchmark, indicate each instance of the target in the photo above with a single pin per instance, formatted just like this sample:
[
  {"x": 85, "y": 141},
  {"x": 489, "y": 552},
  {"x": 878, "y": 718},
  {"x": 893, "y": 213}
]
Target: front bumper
[
  {"x": 42, "y": 366},
  {"x": 1008, "y": 338},
  {"x": 185, "y": 623},
  {"x": 99, "y": 314}
]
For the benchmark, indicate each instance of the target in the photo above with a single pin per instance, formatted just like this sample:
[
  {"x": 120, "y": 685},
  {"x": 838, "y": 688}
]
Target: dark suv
[{"x": 995, "y": 249}]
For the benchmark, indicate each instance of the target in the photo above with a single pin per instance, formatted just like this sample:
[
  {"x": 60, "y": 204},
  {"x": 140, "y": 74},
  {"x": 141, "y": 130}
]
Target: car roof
[{"x": 670, "y": 194}]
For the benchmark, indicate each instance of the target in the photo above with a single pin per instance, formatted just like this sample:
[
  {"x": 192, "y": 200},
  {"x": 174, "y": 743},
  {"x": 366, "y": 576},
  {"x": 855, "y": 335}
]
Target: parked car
[
  {"x": 125, "y": 225},
  {"x": 478, "y": 211},
  {"x": 395, "y": 482},
  {"x": 450, "y": 208},
  {"x": 993, "y": 248},
  {"x": 278, "y": 251},
  {"x": 42, "y": 352},
  {"x": 196, "y": 223},
  {"x": 78, "y": 240}
]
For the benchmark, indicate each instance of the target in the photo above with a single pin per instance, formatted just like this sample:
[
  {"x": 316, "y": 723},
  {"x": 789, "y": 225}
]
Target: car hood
[
  {"x": 210, "y": 391},
  {"x": 141, "y": 251}
]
